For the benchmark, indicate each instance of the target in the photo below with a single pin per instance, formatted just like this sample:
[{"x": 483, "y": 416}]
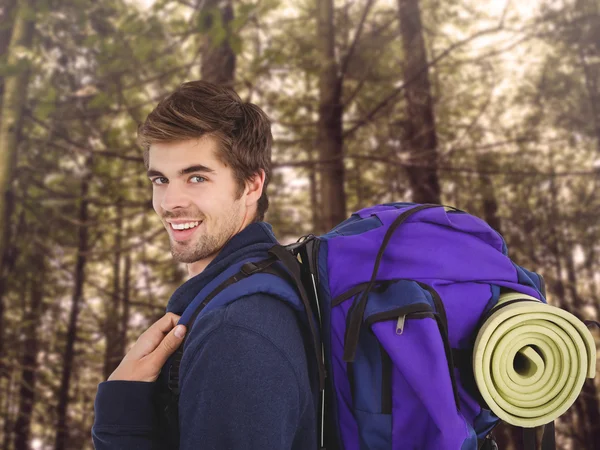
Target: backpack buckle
[{"x": 250, "y": 268}]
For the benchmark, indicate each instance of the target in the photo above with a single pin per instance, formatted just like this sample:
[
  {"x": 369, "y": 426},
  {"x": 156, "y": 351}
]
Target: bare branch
[
  {"x": 467, "y": 170},
  {"x": 371, "y": 115},
  {"x": 350, "y": 53}
]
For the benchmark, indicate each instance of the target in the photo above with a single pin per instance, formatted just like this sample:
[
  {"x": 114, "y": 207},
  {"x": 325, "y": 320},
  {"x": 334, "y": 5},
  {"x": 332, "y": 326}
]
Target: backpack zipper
[
  {"x": 442, "y": 321},
  {"x": 415, "y": 311}
]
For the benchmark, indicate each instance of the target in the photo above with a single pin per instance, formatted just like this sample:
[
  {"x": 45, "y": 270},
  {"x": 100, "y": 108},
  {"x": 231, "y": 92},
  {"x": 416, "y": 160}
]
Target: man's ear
[{"x": 254, "y": 187}]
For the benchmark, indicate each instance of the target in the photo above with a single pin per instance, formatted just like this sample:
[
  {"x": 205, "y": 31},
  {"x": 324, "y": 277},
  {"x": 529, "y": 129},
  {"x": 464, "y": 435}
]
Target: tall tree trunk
[
  {"x": 588, "y": 52},
  {"x": 218, "y": 58},
  {"x": 14, "y": 98},
  {"x": 589, "y": 396},
  {"x": 490, "y": 204},
  {"x": 7, "y": 263},
  {"x": 7, "y": 398},
  {"x": 419, "y": 134},
  {"x": 79, "y": 279},
  {"x": 556, "y": 242},
  {"x": 314, "y": 196},
  {"x": 11, "y": 119},
  {"x": 331, "y": 144},
  {"x": 507, "y": 436},
  {"x": 6, "y": 26},
  {"x": 578, "y": 303},
  {"x": 126, "y": 296},
  {"x": 590, "y": 270},
  {"x": 29, "y": 362},
  {"x": 112, "y": 358},
  {"x": 313, "y": 179}
]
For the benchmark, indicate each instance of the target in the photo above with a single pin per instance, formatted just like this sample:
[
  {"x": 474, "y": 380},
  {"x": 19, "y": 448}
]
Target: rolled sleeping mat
[{"x": 531, "y": 359}]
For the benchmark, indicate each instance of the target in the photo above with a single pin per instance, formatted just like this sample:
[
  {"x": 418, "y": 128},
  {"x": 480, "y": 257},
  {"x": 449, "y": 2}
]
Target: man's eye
[
  {"x": 197, "y": 179},
  {"x": 160, "y": 180}
]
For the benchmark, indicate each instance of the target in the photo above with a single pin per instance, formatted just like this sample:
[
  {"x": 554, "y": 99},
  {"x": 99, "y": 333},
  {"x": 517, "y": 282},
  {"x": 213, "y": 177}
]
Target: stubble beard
[{"x": 205, "y": 245}]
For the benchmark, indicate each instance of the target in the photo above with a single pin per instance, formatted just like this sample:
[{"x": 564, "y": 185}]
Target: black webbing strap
[
  {"x": 489, "y": 443},
  {"x": 590, "y": 323},
  {"x": 357, "y": 310},
  {"x": 530, "y": 441},
  {"x": 291, "y": 263}
]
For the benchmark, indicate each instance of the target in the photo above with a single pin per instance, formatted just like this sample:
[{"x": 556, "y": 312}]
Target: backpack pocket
[{"x": 400, "y": 390}]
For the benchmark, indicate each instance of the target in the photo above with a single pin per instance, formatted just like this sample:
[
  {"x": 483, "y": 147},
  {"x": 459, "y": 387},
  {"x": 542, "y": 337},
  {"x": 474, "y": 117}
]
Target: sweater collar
[{"x": 255, "y": 237}]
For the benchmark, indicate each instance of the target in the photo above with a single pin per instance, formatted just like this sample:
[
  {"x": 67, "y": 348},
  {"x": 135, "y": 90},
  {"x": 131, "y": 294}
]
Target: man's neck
[{"x": 198, "y": 267}]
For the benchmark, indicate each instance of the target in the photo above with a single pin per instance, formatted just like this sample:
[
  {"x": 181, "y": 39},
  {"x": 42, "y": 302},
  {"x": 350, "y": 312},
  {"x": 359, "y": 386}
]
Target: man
[{"x": 246, "y": 380}]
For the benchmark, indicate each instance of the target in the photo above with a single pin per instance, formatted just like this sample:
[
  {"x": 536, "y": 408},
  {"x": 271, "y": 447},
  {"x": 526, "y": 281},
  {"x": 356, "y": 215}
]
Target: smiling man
[{"x": 245, "y": 378}]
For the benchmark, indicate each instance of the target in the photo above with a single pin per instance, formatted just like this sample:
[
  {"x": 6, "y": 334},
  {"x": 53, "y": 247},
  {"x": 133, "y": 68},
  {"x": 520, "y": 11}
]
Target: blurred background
[{"x": 491, "y": 106}]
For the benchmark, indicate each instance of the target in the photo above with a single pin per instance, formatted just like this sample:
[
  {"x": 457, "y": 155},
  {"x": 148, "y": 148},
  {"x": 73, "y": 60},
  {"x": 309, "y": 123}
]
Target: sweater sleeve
[
  {"x": 239, "y": 391},
  {"x": 124, "y": 416}
]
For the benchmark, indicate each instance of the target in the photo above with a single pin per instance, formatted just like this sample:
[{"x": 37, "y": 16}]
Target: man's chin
[{"x": 180, "y": 255}]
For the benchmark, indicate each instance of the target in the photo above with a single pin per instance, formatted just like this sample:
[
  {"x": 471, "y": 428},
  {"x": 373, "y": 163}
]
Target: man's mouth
[
  {"x": 185, "y": 225},
  {"x": 182, "y": 231}
]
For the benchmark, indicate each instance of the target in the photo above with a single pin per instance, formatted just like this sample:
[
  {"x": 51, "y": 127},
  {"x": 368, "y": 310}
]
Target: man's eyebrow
[
  {"x": 196, "y": 168},
  {"x": 153, "y": 173}
]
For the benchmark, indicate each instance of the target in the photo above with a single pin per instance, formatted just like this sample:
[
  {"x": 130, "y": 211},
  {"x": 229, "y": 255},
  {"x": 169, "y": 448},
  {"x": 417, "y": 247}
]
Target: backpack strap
[
  {"x": 291, "y": 263},
  {"x": 357, "y": 310},
  {"x": 245, "y": 271},
  {"x": 548, "y": 437}
]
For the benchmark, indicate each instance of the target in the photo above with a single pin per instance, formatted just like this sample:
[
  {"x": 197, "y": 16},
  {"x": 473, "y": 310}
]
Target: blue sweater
[{"x": 250, "y": 384}]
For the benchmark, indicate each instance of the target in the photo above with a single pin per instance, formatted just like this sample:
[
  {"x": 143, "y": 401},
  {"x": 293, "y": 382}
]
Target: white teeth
[{"x": 184, "y": 226}]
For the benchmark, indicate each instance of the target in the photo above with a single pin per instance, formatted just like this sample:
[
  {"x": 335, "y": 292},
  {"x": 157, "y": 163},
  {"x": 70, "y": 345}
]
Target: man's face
[{"x": 195, "y": 195}]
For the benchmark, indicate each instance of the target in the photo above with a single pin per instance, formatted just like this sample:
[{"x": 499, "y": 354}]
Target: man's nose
[{"x": 174, "y": 198}]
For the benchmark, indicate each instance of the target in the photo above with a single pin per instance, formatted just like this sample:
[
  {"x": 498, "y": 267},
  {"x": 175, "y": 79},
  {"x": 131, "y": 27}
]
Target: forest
[{"x": 491, "y": 106}]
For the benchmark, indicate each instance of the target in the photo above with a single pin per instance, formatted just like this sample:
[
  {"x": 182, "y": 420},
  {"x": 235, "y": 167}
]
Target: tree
[
  {"x": 6, "y": 25},
  {"x": 77, "y": 298},
  {"x": 419, "y": 125},
  {"x": 218, "y": 56},
  {"x": 11, "y": 121},
  {"x": 29, "y": 363},
  {"x": 330, "y": 141}
]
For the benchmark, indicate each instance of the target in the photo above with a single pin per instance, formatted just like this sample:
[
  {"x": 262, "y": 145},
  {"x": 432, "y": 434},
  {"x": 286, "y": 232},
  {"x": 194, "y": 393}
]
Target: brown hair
[{"x": 199, "y": 108}]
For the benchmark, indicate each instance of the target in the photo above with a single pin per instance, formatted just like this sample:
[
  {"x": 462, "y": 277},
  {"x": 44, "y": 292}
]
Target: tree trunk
[
  {"x": 331, "y": 144},
  {"x": 590, "y": 270},
  {"x": 507, "y": 436},
  {"x": 419, "y": 133},
  {"x": 490, "y": 204},
  {"x": 6, "y": 26},
  {"x": 7, "y": 262},
  {"x": 79, "y": 278},
  {"x": 589, "y": 396},
  {"x": 112, "y": 358},
  {"x": 314, "y": 197},
  {"x": 13, "y": 104},
  {"x": 218, "y": 57},
  {"x": 126, "y": 296},
  {"x": 29, "y": 362},
  {"x": 556, "y": 243},
  {"x": 578, "y": 303},
  {"x": 8, "y": 416},
  {"x": 13, "y": 98}
]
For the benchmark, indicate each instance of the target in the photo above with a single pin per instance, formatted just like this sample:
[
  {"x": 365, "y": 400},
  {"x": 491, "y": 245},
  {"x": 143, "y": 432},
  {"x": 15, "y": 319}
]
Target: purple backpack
[
  {"x": 399, "y": 291},
  {"x": 394, "y": 298}
]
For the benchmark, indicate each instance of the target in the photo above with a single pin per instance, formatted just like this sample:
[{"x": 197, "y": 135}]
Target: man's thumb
[
  {"x": 179, "y": 331},
  {"x": 170, "y": 343}
]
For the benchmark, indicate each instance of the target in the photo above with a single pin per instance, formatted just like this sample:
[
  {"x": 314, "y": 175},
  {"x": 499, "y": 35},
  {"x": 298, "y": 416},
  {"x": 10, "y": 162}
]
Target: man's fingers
[
  {"x": 164, "y": 324},
  {"x": 153, "y": 336},
  {"x": 168, "y": 346}
]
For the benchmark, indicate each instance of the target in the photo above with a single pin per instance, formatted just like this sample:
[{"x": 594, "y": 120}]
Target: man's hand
[{"x": 150, "y": 352}]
